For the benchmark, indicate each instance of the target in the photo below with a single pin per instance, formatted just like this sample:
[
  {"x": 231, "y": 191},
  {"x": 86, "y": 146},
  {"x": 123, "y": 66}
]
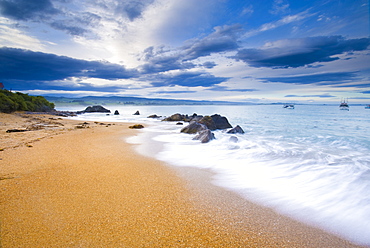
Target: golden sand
[{"x": 81, "y": 185}]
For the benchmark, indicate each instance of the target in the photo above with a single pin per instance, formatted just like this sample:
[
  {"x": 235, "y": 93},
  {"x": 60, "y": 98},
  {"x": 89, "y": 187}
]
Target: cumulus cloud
[
  {"x": 19, "y": 64},
  {"x": 301, "y": 52}
]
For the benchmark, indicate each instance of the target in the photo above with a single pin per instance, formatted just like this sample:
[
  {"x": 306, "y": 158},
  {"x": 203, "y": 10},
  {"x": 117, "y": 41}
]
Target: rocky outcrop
[
  {"x": 202, "y": 125},
  {"x": 96, "y": 109},
  {"x": 154, "y": 116},
  {"x": 221, "y": 122},
  {"x": 136, "y": 126},
  {"x": 137, "y": 113},
  {"x": 194, "y": 127},
  {"x": 175, "y": 117},
  {"x": 116, "y": 112},
  {"x": 204, "y": 136},
  {"x": 208, "y": 121},
  {"x": 236, "y": 129},
  {"x": 186, "y": 118}
]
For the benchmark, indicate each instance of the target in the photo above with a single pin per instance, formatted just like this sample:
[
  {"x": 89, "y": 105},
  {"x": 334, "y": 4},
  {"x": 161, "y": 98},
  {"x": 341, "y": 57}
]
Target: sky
[{"x": 302, "y": 51}]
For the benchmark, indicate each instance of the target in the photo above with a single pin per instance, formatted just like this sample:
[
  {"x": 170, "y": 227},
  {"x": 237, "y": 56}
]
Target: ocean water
[{"x": 311, "y": 163}]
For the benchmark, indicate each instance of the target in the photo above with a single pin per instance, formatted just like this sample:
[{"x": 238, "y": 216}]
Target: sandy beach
[{"x": 72, "y": 184}]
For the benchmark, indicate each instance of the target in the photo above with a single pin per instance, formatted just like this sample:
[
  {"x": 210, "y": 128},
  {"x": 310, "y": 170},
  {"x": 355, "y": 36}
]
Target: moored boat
[
  {"x": 289, "y": 106},
  {"x": 344, "y": 105}
]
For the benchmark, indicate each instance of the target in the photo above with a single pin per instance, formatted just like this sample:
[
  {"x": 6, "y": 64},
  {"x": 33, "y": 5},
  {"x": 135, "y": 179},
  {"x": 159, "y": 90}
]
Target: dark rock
[
  {"x": 234, "y": 139},
  {"x": 154, "y": 116},
  {"x": 136, "y": 126},
  {"x": 175, "y": 117},
  {"x": 194, "y": 127},
  {"x": 208, "y": 121},
  {"x": 236, "y": 129},
  {"x": 97, "y": 108},
  {"x": 221, "y": 122},
  {"x": 195, "y": 117},
  {"x": 16, "y": 130},
  {"x": 116, "y": 112},
  {"x": 179, "y": 123},
  {"x": 204, "y": 136},
  {"x": 137, "y": 113}
]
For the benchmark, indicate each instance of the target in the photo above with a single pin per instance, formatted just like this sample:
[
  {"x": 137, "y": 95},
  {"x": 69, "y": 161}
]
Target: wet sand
[{"x": 81, "y": 185}]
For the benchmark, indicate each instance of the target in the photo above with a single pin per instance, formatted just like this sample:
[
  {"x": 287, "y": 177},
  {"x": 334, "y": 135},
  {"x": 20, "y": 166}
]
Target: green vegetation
[{"x": 10, "y": 102}]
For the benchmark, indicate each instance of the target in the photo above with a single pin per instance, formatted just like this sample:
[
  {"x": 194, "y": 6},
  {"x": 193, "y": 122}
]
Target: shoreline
[{"x": 87, "y": 187}]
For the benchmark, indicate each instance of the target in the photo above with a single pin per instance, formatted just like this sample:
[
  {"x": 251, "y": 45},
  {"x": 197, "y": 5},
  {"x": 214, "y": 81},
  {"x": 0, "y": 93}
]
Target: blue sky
[{"x": 306, "y": 51}]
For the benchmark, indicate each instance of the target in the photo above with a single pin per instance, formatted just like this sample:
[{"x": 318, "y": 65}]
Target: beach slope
[{"x": 81, "y": 185}]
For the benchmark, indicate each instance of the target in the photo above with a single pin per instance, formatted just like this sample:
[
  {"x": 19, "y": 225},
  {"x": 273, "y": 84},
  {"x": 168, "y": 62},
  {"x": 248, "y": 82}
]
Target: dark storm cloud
[
  {"x": 334, "y": 78},
  {"x": 301, "y": 52},
  {"x": 19, "y": 64},
  {"x": 188, "y": 79},
  {"x": 27, "y": 9}
]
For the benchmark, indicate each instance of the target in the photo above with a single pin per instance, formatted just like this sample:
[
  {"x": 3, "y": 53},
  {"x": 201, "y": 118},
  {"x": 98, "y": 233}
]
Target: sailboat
[{"x": 344, "y": 104}]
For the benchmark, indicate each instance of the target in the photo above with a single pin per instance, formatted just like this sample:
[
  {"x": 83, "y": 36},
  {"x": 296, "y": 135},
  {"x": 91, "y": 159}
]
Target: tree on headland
[{"x": 10, "y": 102}]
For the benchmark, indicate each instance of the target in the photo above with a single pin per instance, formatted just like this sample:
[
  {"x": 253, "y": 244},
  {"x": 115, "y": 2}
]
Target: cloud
[
  {"x": 301, "y": 52},
  {"x": 280, "y": 7},
  {"x": 332, "y": 78},
  {"x": 188, "y": 79},
  {"x": 224, "y": 88},
  {"x": 74, "y": 18},
  {"x": 70, "y": 29},
  {"x": 223, "y": 39},
  {"x": 24, "y": 10},
  {"x": 279, "y": 23},
  {"x": 175, "y": 91},
  {"x": 131, "y": 9},
  {"x": 319, "y": 96},
  {"x": 19, "y": 64},
  {"x": 160, "y": 59},
  {"x": 209, "y": 64}
]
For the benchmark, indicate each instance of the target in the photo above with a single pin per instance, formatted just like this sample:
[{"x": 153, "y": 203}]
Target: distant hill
[{"x": 117, "y": 100}]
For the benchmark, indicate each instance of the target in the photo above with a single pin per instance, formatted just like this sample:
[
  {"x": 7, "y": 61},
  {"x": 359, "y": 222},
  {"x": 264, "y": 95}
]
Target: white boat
[
  {"x": 289, "y": 106},
  {"x": 344, "y": 105}
]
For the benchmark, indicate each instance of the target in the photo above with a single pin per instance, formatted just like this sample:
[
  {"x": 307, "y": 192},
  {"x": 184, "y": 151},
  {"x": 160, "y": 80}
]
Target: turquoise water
[{"x": 311, "y": 163}]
